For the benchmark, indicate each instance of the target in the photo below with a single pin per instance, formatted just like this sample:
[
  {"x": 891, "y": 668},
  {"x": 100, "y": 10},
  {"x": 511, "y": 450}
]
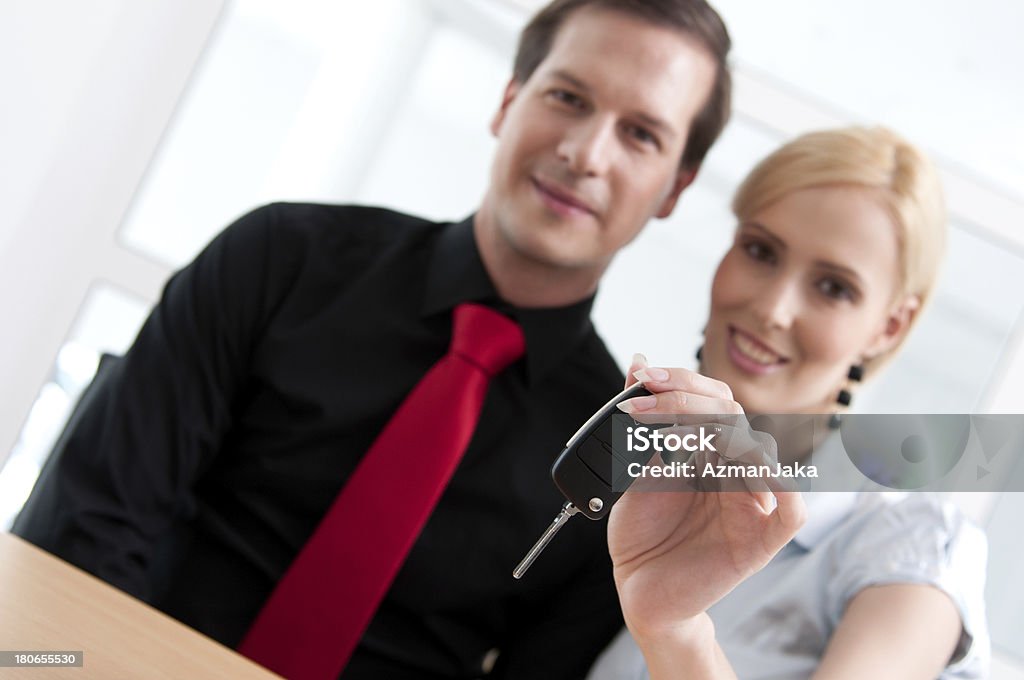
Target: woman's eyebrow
[
  {"x": 757, "y": 226},
  {"x": 841, "y": 269},
  {"x": 825, "y": 264}
]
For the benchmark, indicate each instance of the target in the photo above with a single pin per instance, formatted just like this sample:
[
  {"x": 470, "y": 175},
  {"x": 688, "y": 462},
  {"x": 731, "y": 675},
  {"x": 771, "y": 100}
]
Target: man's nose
[{"x": 588, "y": 146}]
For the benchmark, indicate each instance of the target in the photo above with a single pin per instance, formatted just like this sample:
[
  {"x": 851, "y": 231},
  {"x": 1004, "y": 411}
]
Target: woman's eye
[
  {"x": 836, "y": 290},
  {"x": 759, "y": 251}
]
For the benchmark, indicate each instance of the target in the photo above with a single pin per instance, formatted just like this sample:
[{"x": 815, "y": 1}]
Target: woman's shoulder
[
  {"x": 921, "y": 527},
  {"x": 890, "y": 537},
  {"x": 916, "y": 538}
]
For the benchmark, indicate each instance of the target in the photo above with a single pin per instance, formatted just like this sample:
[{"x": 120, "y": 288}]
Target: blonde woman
[{"x": 839, "y": 242}]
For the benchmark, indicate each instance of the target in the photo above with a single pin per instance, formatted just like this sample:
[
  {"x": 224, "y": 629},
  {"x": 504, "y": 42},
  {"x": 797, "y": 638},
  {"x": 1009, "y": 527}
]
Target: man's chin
[
  {"x": 563, "y": 256},
  {"x": 553, "y": 249}
]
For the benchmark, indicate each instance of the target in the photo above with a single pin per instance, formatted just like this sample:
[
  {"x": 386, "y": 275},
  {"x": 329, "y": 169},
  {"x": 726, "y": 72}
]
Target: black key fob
[{"x": 590, "y": 472}]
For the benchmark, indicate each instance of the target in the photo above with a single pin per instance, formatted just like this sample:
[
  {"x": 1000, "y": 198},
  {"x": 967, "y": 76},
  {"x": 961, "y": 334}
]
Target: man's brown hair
[{"x": 695, "y": 18}]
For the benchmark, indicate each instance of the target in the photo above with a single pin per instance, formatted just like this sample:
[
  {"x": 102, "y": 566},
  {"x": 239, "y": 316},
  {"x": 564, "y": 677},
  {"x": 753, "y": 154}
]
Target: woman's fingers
[
  {"x": 789, "y": 515},
  {"x": 677, "y": 391},
  {"x": 639, "y": 362},
  {"x": 683, "y": 380},
  {"x": 687, "y": 408}
]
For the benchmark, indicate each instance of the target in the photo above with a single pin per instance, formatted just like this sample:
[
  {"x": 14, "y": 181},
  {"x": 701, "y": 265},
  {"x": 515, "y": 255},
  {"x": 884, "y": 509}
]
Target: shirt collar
[
  {"x": 456, "y": 274},
  {"x": 825, "y": 511}
]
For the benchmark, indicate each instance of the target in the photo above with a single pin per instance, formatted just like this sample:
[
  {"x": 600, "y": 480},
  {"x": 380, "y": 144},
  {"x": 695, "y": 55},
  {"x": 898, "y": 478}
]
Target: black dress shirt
[{"x": 195, "y": 473}]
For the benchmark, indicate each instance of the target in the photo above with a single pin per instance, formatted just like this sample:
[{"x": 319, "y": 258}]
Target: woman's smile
[{"x": 751, "y": 355}]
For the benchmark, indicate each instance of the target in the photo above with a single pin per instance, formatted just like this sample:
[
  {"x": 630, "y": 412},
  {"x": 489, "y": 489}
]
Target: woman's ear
[{"x": 896, "y": 326}]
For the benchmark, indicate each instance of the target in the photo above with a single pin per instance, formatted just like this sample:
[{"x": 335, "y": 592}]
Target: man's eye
[
  {"x": 642, "y": 135},
  {"x": 568, "y": 98},
  {"x": 834, "y": 289}
]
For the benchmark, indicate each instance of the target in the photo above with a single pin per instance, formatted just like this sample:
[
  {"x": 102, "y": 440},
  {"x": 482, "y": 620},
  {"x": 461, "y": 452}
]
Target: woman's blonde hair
[{"x": 876, "y": 159}]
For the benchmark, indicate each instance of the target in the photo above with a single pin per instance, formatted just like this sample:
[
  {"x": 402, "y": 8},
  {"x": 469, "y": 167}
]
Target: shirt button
[{"x": 487, "y": 664}]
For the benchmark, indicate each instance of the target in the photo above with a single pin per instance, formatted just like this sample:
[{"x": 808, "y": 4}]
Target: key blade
[{"x": 568, "y": 510}]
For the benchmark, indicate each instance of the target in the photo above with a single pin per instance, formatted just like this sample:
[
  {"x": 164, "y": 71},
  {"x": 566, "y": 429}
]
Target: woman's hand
[{"x": 675, "y": 553}]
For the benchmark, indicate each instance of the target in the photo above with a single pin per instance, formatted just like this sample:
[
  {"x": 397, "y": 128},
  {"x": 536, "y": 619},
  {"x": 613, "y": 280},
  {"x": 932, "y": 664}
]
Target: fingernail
[
  {"x": 648, "y": 374},
  {"x": 639, "y": 360},
  {"x": 638, "y": 404}
]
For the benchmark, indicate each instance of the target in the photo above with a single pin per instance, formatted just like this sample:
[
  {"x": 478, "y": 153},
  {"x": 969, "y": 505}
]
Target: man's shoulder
[
  {"x": 344, "y": 221},
  {"x": 281, "y": 242}
]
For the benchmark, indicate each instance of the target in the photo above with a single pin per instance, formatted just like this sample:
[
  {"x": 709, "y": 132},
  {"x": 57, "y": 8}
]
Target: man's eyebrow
[
  {"x": 647, "y": 119},
  {"x": 656, "y": 123},
  {"x": 571, "y": 79}
]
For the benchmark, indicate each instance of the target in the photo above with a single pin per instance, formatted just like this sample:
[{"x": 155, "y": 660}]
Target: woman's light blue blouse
[{"x": 776, "y": 624}]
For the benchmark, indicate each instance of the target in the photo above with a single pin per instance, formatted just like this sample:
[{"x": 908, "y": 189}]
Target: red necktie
[{"x": 320, "y": 608}]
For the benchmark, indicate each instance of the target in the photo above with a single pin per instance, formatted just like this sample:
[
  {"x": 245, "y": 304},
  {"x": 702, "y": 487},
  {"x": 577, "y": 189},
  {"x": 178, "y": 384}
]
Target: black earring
[
  {"x": 845, "y": 397},
  {"x": 700, "y": 353}
]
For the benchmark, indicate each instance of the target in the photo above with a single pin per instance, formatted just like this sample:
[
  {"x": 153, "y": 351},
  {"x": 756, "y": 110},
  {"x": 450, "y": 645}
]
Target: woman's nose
[{"x": 777, "y": 303}]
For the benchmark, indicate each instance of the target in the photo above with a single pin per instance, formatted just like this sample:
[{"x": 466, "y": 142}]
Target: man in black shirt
[{"x": 193, "y": 475}]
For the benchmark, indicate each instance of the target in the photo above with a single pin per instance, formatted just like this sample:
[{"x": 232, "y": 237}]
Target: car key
[{"x": 585, "y": 472}]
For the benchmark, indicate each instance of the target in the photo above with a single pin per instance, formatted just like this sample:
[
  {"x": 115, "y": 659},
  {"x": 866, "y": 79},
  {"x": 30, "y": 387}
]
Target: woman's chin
[
  {"x": 755, "y": 400},
  {"x": 751, "y": 392}
]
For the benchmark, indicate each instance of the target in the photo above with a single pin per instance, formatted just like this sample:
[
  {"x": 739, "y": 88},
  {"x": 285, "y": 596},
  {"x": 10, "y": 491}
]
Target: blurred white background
[{"x": 133, "y": 132}]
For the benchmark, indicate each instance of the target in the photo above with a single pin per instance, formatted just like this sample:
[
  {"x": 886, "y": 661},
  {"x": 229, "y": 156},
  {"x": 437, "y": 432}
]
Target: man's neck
[{"x": 526, "y": 282}]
